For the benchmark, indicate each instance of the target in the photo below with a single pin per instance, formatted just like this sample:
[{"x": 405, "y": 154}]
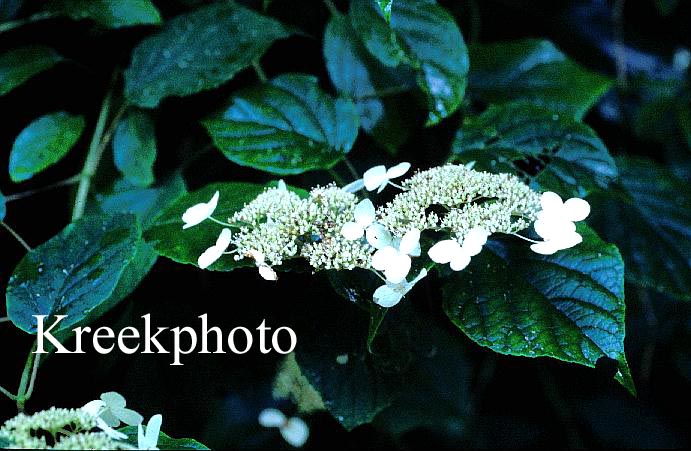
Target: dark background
[{"x": 507, "y": 401}]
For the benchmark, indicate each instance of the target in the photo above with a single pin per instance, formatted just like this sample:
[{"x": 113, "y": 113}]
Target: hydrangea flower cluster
[
  {"x": 335, "y": 229},
  {"x": 89, "y": 427}
]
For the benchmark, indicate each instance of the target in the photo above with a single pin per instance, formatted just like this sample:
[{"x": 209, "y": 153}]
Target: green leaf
[
  {"x": 43, "y": 143},
  {"x": 354, "y": 392},
  {"x": 534, "y": 71},
  {"x": 651, "y": 224},
  {"x": 356, "y": 74},
  {"x": 3, "y": 207},
  {"x": 568, "y": 306},
  {"x": 564, "y": 155},
  {"x": 185, "y": 246},
  {"x": 74, "y": 272},
  {"x": 371, "y": 23},
  {"x": 165, "y": 442},
  {"x": 285, "y": 126},
  {"x": 134, "y": 148},
  {"x": 436, "y": 49},
  {"x": 20, "y": 64},
  {"x": 108, "y": 13},
  {"x": 146, "y": 203},
  {"x": 198, "y": 51}
]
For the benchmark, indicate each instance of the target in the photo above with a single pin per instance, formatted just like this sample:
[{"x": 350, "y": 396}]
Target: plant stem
[
  {"x": 16, "y": 236},
  {"x": 331, "y": 7},
  {"x": 4, "y": 319},
  {"x": 7, "y": 393},
  {"x": 28, "y": 374},
  {"x": 337, "y": 178},
  {"x": 92, "y": 159},
  {"x": 351, "y": 168},
  {"x": 260, "y": 72},
  {"x": 17, "y": 196}
]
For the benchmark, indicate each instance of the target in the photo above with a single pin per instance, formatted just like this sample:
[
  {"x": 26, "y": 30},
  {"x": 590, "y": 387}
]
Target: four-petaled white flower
[
  {"x": 197, "y": 214},
  {"x": 391, "y": 294},
  {"x": 216, "y": 251},
  {"x": 394, "y": 259},
  {"x": 450, "y": 251},
  {"x": 377, "y": 178},
  {"x": 364, "y": 218},
  {"x": 293, "y": 430},
  {"x": 149, "y": 439},
  {"x": 109, "y": 411},
  {"x": 266, "y": 271},
  {"x": 555, "y": 223}
]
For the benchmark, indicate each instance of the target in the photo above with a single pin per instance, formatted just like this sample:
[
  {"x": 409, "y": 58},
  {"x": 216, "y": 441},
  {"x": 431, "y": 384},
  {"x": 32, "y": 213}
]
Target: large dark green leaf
[
  {"x": 185, "y": 246},
  {"x": 134, "y": 148},
  {"x": 146, "y": 203},
  {"x": 108, "y": 13},
  {"x": 18, "y": 65},
  {"x": 557, "y": 152},
  {"x": 165, "y": 442},
  {"x": 356, "y": 74},
  {"x": 436, "y": 49},
  {"x": 569, "y": 306},
  {"x": 372, "y": 26},
  {"x": 43, "y": 143},
  {"x": 535, "y": 71},
  {"x": 74, "y": 272},
  {"x": 651, "y": 224},
  {"x": 198, "y": 51},
  {"x": 357, "y": 388},
  {"x": 285, "y": 126}
]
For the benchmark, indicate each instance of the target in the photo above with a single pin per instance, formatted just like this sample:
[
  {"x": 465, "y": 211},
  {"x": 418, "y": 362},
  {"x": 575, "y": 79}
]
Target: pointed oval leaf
[
  {"x": 108, "y": 13},
  {"x": 358, "y": 75},
  {"x": 565, "y": 155},
  {"x": 19, "y": 65},
  {"x": 43, "y": 143},
  {"x": 568, "y": 306},
  {"x": 72, "y": 273},
  {"x": 134, "y": 148},
  {"x": 285, "y": 126},
  {"x": 3, "y": 207},
  {"x": 435, "y": 45},
  {"x": 536, "y": 71},
  {"x": 371, "y": 24},
  {"x": 198, "y": 51},
  {"x": 651, "y": 224}
]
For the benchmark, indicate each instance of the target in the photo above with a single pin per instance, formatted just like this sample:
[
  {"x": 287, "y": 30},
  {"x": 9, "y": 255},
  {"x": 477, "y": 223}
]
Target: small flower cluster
[
  {"x": 333, "y": 229},
  {"x": 90, "y": 427},
  {"x": 44, "y": 430}
]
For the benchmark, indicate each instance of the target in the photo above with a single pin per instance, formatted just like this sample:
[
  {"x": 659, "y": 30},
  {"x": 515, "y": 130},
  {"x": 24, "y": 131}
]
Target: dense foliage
[{"x": 189, "y": 98}]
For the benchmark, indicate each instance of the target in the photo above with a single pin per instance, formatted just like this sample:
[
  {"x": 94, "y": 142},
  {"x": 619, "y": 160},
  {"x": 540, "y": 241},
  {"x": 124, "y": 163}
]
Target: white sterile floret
[
  {"x": 149, "y": 439},
  {"x": 293, "y": 430},
  {"x": 272, "y": 418},
  {"x": 197, "y": 214},
  {"x": 266, "y": 271},
  {"x": 555, "y": 223},
  {"x": 378, "y": 177},
  {"x": 216, "y": 251},
  {"x": 364, "y": 217},
  {"x": 113, "y": 410},
  {"x": 391, "y": 294},
  {"x": 450, "y": 251},
  {"x": 394, "y": 261}
]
